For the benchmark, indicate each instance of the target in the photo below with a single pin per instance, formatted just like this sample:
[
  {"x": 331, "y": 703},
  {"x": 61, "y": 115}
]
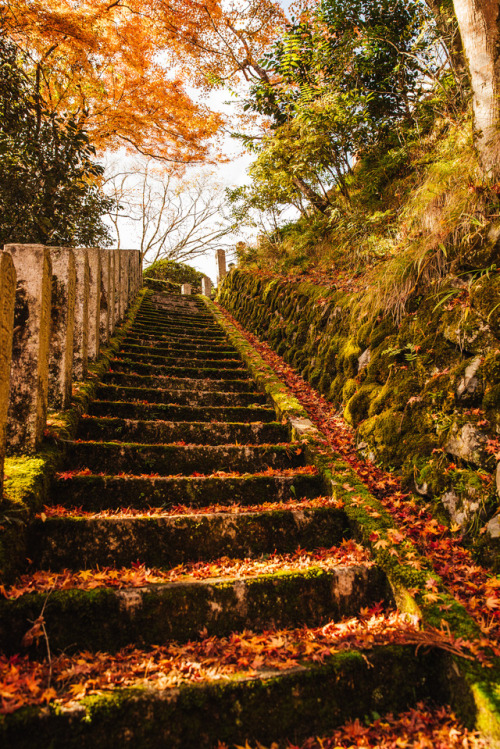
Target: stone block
[
  {"x": 118, "y": 297},
  {"x": 124, "y": 280},
  {"x": 112, "y": 289},
  {"x": 30, "y": 351},
  {"x": 81, "y": 331},
  {"x": 220, "y": 257},
  {"x": 62, "y": 326},
  {"x": 186, "y": 288},
  {"x": 106, "y": 302},
  {"x": 95, "y": 285},
  {"x": 7, "y": 299},
  {"x": 206, "y": 286}
]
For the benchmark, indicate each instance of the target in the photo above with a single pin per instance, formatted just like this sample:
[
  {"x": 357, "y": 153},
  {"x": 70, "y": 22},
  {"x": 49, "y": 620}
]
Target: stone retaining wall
[
  {"x": 423, "y": 395},
  {"x": 58, "y": 307}
]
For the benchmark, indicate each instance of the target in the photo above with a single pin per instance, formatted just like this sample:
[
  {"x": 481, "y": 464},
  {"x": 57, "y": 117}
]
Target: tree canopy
[{"x": 49, "y": 185}]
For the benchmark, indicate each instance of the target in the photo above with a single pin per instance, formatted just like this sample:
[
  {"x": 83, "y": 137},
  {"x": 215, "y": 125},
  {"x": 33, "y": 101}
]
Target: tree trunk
[
  {"x": 480, "y": 31},
  {"x": 316, "y": 200}
]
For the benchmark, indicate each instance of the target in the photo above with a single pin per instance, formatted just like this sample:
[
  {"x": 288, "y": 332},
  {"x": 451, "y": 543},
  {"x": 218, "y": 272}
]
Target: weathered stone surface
[
  {"x": 124, "y": 280},
  {"x": 206, "y": 286},
  {"x": 467, "y": 443},
  {"x": 95, "y": 284},
  {"x": 105, "y": 303},
  {"x": 186, "y": 289},
  {"x": 62, "y": 326},
  {"x": 493, "y": 527},
  {"x": 81, "y": 332},
  {"x": 7, "y": 299},
  {"x": 364, "y": 359},
  {"x": 118, "y": 296},
  {"x": 469, "y": 383},
  {"x": 136, "y": 264},
  {"x": 30, "y": 352},
  {"x": 498, "y": 479},
  {"x": 111, "y": 292},
  {"x": 472, "y": 334},
  {"x": 220, "y": 257},
  {"x": 462, "y": 510}
]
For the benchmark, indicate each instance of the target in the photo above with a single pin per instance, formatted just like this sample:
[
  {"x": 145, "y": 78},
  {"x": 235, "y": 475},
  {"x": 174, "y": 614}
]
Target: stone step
[
  {"x": 178, "y": 346},
  {"x": 180, "y": 397},
  {"x": 175, "y": 383},
  {"x": 59, "y": 543},
  {"x": 195, "y": 324},
  {"x": 149, "y": 357},
  {"x": 109, "y": 619},
  {"x": 180, "y": 334},
  {"x": 268, "y": 706},
  {"x": 94, "y": 493},
  {"x": 150, "y": 411},
  {"x": 167, "y": 352},
  {"x": 168, "y": 460},
  {"x": 216, "y": 372},
  {"x": 119, "y": 365},
  {"x": 197, "y": 433}
]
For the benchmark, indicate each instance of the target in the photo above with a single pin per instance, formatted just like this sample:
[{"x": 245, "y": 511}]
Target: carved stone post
[
  {"x": 95, "y": 285},
  {"x": 206, "y": 286},
  {"x": 118, "y": 296},
  {"x": 7, "y": 299},
  {"x": 220, "y": 257},
  {"x": 186, "y": 288},
  {"x": 81, "y": 333},
  {"x": 63, "y": 325},
  {"x": 124, "y": 280},
  {"x": 30, "y": 352},
  {"x": 111, "y": 292},
  {"x": 106, "y": 304}
]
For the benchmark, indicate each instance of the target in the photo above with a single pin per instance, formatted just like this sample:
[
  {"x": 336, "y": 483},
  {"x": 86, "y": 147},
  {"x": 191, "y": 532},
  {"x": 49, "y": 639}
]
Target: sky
[{"x": 233, "y": 173}]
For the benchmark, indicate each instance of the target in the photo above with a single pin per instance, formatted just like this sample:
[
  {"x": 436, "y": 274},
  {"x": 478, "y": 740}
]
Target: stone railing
[{"x": 58, "y": 307}]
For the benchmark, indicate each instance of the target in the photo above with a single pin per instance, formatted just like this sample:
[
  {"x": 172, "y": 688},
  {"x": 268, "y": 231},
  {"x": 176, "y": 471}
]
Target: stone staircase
[{"x": 181, "y": 461}]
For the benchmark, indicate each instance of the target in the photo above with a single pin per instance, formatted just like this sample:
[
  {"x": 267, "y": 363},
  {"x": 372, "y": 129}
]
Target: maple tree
[{"x": 124, "y": 69}]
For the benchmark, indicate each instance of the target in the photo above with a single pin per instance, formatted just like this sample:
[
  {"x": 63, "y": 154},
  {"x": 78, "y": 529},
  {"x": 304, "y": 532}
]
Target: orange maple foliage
[
  {"x": 26, "y": 682},
  {"x": 125, "y": 67},
  {"x": 139, "y": 575}
]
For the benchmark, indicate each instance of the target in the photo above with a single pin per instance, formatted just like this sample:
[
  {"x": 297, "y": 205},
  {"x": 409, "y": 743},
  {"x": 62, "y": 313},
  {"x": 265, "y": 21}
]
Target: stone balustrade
[{"x": 58, "y": 308}]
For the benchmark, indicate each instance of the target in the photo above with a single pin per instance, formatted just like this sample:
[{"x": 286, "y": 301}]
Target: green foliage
[
  {"x": 49, "y": 191},
  {"x": 338, "y": 82},
  {"x": 177, "y": 273}
]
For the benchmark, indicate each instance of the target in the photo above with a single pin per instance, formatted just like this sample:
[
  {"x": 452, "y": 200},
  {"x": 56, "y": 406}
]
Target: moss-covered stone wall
[{"x": 423, "y": 394}]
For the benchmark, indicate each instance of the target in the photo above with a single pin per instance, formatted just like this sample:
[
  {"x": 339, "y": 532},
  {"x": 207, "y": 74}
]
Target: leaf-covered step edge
[
  {"x": 94, "y": 492},
  {"x": 197, "y": 433},
  {"x": 167, "y": 351},
  {"x": 175, "y": 383},
  {"x": 174, "y": 361},
  {"x": 110, "y": 619},
  {"x": 152, "y": 340},
  {"x": 72, "y": 542},
  {"x": 214, "y": 373},
  {"x": 167, "y": 460},
  {"x": 172, "y": 412},
  {"x": 182, "y": 397},
  {"x": 269, "y": 706}
]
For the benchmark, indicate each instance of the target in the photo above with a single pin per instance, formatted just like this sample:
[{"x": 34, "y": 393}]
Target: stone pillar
[
  {"x": 111, "y": 292},
  {"x": 30, "y": 352},
  {"x": 118, "y": 296},
  {"x": 95, "y": 285},
  {"x": 81, "y": 333},
  {"x": 186, "y": 288},
  {"x": 137, "y": 272},
  {"x": 220, "y": 257},
  {"x": 62, "y": 327},
  {"x": 206, "y": 286},
  {"x": 106, "y": 303},
  {"x": 7, "y": 300},
  {"x": 124, "y": 280}
]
